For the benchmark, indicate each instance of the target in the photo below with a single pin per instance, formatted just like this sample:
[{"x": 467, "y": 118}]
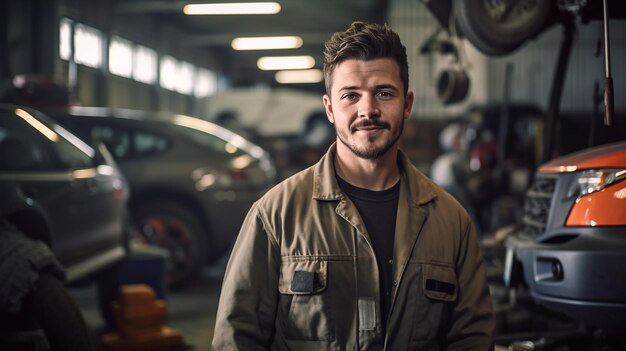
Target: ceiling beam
[{"x": 137, "y": 7}]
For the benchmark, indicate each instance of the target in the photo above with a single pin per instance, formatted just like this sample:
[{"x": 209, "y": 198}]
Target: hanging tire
[
  {"x": 452, "y": 86},
  {"x": 55, "y": 312},
  {"x": 498, "y": 27},
  {"x": 178, "y": 230}
]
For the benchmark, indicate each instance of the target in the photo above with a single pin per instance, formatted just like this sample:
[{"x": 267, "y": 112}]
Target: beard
[{"x": 370, "y": 152}]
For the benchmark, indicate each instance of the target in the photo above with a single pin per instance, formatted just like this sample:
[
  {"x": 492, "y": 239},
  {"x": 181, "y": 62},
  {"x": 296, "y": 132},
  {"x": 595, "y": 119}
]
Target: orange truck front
[{"x": 571, "y": 245}]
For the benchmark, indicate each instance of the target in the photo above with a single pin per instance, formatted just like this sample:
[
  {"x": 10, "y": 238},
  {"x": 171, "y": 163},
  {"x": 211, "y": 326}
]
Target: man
[
  {"x": 448, "y": 169},
  {"x": 360, "y": 251}
]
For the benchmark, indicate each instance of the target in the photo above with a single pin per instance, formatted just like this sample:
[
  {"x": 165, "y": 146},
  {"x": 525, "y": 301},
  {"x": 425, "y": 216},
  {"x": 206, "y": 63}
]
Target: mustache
[{"x": 369, "y": 123}]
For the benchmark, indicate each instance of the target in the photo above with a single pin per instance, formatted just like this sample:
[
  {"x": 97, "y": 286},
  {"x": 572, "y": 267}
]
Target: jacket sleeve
[
  {"x": 472, "y": 320},
  {"x": 247, "y": 305}
]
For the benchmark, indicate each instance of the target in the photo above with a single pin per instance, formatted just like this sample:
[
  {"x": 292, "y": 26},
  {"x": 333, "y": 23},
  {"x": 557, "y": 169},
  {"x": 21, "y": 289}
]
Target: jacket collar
[{"x": 325, "y": 186}]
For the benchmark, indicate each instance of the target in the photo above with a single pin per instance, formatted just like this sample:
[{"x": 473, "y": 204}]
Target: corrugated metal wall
[
  {"x": 412, "y": 21},
  {"x": 533, "y": 65}
]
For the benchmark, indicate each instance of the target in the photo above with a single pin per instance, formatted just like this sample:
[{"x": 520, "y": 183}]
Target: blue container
[{"x": 146, "y": 265}]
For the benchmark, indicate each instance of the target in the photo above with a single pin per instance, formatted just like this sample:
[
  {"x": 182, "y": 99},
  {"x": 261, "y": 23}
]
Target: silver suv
[
  {"x": 60, "y": 191},
  {"x": 191, "y": 181},
  {"x": 63, "y": 221}
]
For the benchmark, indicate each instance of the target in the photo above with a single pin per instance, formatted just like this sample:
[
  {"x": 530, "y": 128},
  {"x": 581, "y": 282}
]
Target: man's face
[{"x": 367, "y": 106}]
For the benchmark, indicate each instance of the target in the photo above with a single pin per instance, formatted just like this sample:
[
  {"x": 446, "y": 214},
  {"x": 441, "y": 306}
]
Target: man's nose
[{"x": 368, "y": 106}]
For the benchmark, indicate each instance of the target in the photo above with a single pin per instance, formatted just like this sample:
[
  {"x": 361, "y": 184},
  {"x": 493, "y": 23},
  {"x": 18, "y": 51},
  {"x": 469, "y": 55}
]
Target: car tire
[
  {"x": 178, "y": 230},
  {"x": 54, "y": 311},
  {"x": 478, "y": 21}
]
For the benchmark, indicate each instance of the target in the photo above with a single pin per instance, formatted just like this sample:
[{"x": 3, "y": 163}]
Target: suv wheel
[{"x": 179, "y": 231}]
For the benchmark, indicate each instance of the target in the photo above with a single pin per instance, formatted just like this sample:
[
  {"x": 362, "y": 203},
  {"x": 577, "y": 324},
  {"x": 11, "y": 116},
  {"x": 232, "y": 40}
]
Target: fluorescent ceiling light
[
  {"x": 299, "y": 76},
  {"x": 269, "y": 63},
  {"x": 266, "y": 43},
  {"x": 241, "y": 8}
]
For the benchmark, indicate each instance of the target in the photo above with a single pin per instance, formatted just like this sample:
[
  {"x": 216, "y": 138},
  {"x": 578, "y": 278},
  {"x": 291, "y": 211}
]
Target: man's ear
[
  {"x": 408, "y": 104},
  {"x": 328, "y": 106}
]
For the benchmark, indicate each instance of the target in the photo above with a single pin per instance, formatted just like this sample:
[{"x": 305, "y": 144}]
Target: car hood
[{"x": 605, "y": 156}]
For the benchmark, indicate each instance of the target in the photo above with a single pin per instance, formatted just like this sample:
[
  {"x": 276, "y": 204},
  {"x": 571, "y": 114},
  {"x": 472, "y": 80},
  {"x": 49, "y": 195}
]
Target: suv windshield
[
  {"x": 213, "y": 136},
  {"x": 23, "y": 144}
]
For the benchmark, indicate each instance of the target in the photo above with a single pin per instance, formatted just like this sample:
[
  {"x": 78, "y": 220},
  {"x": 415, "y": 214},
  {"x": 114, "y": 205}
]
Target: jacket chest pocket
[
  {"x": 435, "y": 289},
  {"x": 304, "y": 299}
]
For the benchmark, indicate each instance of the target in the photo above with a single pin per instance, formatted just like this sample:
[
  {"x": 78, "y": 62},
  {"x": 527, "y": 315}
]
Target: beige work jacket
[{"x": 303, "y": 274}]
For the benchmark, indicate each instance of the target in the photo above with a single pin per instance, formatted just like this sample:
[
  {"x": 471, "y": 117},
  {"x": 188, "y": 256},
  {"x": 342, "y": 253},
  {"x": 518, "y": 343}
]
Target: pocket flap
[
  {"x": 440, "y": 283},
  {"x": 303, "y": 276}
]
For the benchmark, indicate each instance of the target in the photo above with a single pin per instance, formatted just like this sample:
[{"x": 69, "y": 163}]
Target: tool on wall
[
  {"x": 453, "y": 83},
  {"x": 608, "y": 80}
]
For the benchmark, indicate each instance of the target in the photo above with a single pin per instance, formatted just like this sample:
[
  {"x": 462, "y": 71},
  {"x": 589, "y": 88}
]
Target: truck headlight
[{"x": 590, "y": 181}]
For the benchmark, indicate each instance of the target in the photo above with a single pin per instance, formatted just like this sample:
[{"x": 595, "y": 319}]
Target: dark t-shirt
[{"x": 378, "y": 210}]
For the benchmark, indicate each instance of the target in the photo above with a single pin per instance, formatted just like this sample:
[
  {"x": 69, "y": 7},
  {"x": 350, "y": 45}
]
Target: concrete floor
[{"x": 191, "y": 310}]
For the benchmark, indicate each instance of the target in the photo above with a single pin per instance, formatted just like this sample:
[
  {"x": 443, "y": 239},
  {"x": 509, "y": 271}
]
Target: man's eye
[
  {"x": 349, "y": 96},
  {"x": 384, "y": 94}
]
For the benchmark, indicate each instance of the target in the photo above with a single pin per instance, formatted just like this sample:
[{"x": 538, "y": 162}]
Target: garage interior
[{"x": 534, "y": 99}]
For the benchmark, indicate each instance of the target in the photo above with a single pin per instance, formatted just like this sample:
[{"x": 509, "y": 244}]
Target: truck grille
[{"x": 537, "y": 205}]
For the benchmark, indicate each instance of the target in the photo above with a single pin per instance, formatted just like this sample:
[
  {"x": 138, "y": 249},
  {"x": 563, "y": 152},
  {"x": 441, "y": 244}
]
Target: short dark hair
[{"x": 365, "y": 41}]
